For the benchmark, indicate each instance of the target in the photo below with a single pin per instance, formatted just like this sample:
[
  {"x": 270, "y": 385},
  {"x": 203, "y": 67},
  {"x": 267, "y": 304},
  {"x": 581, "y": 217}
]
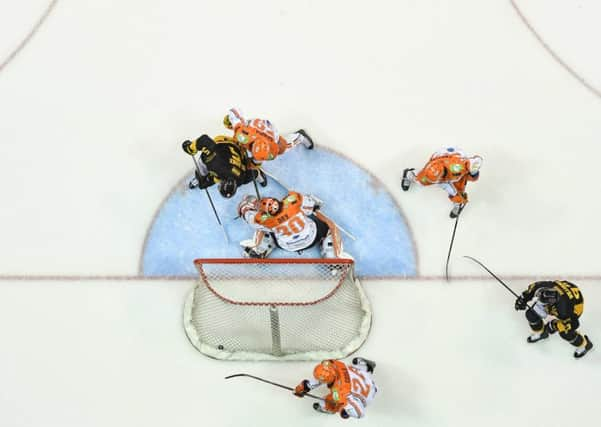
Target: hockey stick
[
  {"x": 446, "y": 274},
  {"x": 272, "y": 383},
  {"x": 288, "y": 189},
  {"x": 496, "y": 277},
  {"x": 256, "y": 188},
  {"x": 211, "y": 201}
]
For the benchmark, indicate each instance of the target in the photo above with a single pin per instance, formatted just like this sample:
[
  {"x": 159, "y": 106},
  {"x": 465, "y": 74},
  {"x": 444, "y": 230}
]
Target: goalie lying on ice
[
  {"x": 351, "y": 387},
  {"x": 292, "y": 224}
]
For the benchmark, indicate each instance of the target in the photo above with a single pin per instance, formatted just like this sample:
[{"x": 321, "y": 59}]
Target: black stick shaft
[
  {"x": 256, "y": 188},
  {"x": 492, "y": 274},
  {"x": 272, "y": 383},
  {"x": 211, "y": 201},
  {"x": 451, "y": 248},
  {"x": 531, "y": 307}
]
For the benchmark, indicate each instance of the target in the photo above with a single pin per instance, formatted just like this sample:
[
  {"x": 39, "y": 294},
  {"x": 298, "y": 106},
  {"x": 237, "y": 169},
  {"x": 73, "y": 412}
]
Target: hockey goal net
[{"x": 277, "y": 309}]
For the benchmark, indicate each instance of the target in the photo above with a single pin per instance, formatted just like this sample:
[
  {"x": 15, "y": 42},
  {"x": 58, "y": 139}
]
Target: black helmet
[
  {"x": 547, "y": 295},
  {"x": 228, "y": 187}
]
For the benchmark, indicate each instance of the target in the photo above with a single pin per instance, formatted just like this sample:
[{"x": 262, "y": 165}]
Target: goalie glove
[
  {"x": 302, "y": 389},
  {"x": 311, "y": 204},
  {"x": 248, "y": 203}
]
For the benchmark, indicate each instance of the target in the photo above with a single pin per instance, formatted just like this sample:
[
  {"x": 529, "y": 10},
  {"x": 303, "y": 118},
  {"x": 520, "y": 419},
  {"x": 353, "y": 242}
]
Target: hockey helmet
[
  {"x": 228, "y": 187},
  {"x": 226, "y": 122},
  {"x": 270, "y": 205},
  {"x": 433, "y": 173},
  {"x": 261, "y": 150},
  {"x": 547, "y": 296},
  {"x": 205, "y": 145},
  {"x": 325, "y": 372}
]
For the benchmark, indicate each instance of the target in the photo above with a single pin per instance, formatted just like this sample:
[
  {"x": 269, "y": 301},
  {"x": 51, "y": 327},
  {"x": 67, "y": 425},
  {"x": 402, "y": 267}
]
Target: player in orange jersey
[
  {"x": 293, "y": 223},
  {"x": 261, "y": 138},
  {"x": 450, "y": 169},
  {"x": 351, "y": 387}
]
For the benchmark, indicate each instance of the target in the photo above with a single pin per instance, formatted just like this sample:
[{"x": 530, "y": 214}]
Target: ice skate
[
  {"x": 581, "y": 351},
  {"x": 318, "y": 408},
  {"x": 538, "y": 336},
  {"x": 456, "y": 211},
  {"x": 307, "y": 142},
  {"x": 369, "y": 364},
  {"x": 193, "y": 183},
  {"x": 406, "y": 181}
]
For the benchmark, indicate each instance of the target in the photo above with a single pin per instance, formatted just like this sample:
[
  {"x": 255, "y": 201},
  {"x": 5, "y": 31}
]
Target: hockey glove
[
  {"x": 520, "y": 303},
  {"x": 302, "y": 389},
  {"x": 247, "y": 203},
  {"x": 189, "y": 147}
]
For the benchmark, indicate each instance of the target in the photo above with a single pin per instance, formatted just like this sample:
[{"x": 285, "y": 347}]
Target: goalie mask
[
  {"x": 271, "y": 206},
  {"x": 227, "y": 188},
  {"x": 547, "y": 296}
]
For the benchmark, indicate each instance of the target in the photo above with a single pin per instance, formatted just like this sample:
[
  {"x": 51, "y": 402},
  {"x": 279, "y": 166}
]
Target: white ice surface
[{"x": 92, "y": 112}]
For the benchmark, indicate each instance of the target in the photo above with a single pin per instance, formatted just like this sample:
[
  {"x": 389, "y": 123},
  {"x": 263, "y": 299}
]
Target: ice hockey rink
[{"x": 95, "y": 100}]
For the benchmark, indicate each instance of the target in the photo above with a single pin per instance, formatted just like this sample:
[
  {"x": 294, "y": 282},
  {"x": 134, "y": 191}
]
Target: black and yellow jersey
[
  {"x": 224, "y": 160},
  {"x": 569, "y": 305}
]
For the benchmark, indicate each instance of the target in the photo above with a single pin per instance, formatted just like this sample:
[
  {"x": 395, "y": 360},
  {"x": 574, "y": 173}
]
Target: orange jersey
[
  {"x": 438, "y": 170},
  {"x": 260, "y": 138},
  {"x": 352, "y": 390}
]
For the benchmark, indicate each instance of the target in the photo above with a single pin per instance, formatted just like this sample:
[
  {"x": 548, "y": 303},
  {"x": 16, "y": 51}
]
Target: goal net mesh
[{"x": 277, "y": 309}]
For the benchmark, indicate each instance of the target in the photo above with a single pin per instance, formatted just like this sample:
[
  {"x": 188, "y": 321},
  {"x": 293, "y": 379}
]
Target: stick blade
[{"x": 235, "y": 375}]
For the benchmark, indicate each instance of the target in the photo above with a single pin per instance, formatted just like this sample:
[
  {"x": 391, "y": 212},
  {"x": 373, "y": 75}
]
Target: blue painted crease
[{"x": 186, "y": 228}]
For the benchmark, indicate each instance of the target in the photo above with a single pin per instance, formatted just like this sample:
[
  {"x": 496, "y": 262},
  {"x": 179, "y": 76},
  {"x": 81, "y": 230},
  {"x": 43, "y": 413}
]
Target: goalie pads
[{"x": 331, "y": 245}]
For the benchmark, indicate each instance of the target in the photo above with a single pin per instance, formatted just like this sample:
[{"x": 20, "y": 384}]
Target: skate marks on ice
[
  {"x": 185, "y": 227},
  {"x": 13, "y": 34},
  {"x": 568, "y": 31}
]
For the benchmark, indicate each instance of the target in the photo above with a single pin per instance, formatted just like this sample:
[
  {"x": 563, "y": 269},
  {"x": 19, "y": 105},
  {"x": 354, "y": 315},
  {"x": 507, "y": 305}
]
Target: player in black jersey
[
  {"x": 222, "y": 161},
  {"x": 557, "y": 307}
]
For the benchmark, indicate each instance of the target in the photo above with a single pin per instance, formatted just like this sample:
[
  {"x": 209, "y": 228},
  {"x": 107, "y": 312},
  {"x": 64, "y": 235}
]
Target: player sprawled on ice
[
  {"x": 293, "y": 224},
  {"x": 222, "y": 161},
  {"x": 450, "y": 169},
  {"x": 261, "y": 138},
  {"x": 351, "y": 387},
  {"x": 558, "y": 306}
]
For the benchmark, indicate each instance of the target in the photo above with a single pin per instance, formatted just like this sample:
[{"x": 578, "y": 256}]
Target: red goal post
[{"x": 277, "y": 309}]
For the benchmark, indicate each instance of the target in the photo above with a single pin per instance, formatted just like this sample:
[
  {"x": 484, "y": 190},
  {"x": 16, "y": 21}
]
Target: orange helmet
[
  {"x": 271, "y": 206},
  {"x": 261, "y": 150},
  {"x": 325, "y": 372},
  {"x": 433, "y": 173}
]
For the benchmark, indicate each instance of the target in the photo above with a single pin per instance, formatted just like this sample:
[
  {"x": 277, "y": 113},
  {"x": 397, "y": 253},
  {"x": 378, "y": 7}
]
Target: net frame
[{"x": 346, "y": 278}]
